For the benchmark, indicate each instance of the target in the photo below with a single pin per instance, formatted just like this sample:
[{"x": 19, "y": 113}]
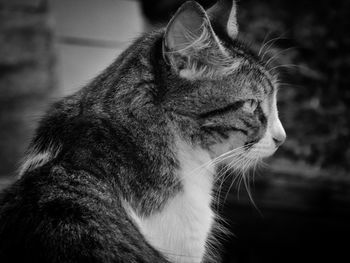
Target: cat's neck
[{"x": 180, "y": 230}]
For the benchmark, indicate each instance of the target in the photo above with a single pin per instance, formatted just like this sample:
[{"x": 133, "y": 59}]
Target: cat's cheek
[{"x": 234, "y": 141}]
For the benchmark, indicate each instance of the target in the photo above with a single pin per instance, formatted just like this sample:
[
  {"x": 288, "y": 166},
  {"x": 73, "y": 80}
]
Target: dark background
[{"x": 303, "y": 195}]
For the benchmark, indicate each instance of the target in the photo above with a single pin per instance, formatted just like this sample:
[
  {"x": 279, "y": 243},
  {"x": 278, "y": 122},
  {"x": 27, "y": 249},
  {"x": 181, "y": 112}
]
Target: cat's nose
[{"x": 278, "y": 133}]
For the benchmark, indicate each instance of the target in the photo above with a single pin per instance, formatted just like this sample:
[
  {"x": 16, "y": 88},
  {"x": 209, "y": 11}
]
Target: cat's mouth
[{"x": 242, "y": 157}]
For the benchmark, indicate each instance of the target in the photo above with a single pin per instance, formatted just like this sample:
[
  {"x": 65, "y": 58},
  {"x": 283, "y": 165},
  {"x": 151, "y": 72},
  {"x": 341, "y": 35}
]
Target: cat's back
[
  {"x": 65, "y": 207},
  {"x": 62, "y": 214}
]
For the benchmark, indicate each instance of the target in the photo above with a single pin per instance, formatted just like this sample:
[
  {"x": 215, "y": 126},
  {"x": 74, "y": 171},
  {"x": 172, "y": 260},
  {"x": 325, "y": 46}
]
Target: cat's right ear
[{"x": 190, "y": 45}]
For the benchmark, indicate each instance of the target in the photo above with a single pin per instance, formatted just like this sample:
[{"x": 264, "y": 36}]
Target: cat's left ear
[{"x": 190, "y": 45}]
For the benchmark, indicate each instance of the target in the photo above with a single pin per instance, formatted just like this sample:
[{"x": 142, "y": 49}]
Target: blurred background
[{"x": 49, "y": 49}]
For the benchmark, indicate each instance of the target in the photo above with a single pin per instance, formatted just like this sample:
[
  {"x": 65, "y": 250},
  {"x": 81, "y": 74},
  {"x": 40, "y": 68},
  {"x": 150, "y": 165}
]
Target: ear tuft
[
  {"x": 190, "y": 45},
  {"x": 185, "y": 27}
]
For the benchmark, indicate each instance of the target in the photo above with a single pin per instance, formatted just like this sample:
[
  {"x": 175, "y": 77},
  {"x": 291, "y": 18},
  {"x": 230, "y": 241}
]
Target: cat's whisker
[
  {"x": 230, "y": 154},
  {"x": 222, "y": 175},
  {"x": 281, "y": 84},
  {"x": 263, "y": 42},
  {"x": 234, "y": 166},
  {"x": 278, "y": 54},
  {"x": 264, "y": 164},
  {"x": 222, "y": 157},
  {"x": 273, "y": 40},
  {"x": 254, "y": 168},
  {"x": 253, "y": 178},
  {"x": 286, "y": 66},
  {"x": 248, "y": 185},
  {"x": 242, "y": 174},
  {"x": 234, "y": 157},
  {"x": 166, "y": 252},
  {"x": 231, "y": 166},
  {"x": 207, "y": 164},
  {"x": 229, "y": 188},
  {"x": 269, "y": 47},
  {"x": 233, "y": 154}
]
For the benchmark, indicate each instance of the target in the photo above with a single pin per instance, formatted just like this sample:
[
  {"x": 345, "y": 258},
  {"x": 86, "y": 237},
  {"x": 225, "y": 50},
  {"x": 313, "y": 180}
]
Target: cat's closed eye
[{"x": 250, "y": 105}]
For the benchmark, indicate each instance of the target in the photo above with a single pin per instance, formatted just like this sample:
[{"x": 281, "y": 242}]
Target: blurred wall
[
  {"x": 90, "y": 35},
  {"x": 26, "y": 74},
  {"x": 49, "y": 49}
]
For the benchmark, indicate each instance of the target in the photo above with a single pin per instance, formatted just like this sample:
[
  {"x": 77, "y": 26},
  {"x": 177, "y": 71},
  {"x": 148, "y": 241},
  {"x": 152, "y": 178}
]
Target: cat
[{"x": 123, "y": 170}]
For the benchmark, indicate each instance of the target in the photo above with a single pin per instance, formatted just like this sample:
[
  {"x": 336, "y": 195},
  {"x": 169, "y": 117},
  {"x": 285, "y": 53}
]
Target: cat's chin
[
  {"x": 262, "y": 153},
  {"x": 262, "y": 150}
]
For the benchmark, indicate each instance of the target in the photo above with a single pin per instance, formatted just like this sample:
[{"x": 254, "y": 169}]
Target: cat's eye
[{"x": 250, "y": 105}]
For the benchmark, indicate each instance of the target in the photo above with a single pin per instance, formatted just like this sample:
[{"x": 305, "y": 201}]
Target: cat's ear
[
  {"x": 190, "y": 45},
  {"x": 223, "y": 15}
]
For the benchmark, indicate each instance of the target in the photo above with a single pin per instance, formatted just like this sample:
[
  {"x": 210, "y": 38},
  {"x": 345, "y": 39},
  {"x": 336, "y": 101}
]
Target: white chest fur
[{"x": 181, "y": 229}]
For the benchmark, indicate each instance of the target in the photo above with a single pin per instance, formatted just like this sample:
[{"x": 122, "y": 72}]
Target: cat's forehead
[
  {"x": 248, "y": 82},
  {"x": 244, "y": 73},
  {"x": 250, "y": 68}
]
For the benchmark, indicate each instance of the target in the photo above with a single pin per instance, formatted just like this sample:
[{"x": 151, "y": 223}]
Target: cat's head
[{"x": 222, "y": 96}]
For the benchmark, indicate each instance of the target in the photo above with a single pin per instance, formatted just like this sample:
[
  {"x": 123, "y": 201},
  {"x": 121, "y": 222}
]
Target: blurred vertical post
[{"x": 26, "y": 75}]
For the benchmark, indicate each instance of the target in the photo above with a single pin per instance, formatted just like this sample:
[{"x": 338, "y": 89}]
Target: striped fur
[{"x": 124, "y": 170}]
